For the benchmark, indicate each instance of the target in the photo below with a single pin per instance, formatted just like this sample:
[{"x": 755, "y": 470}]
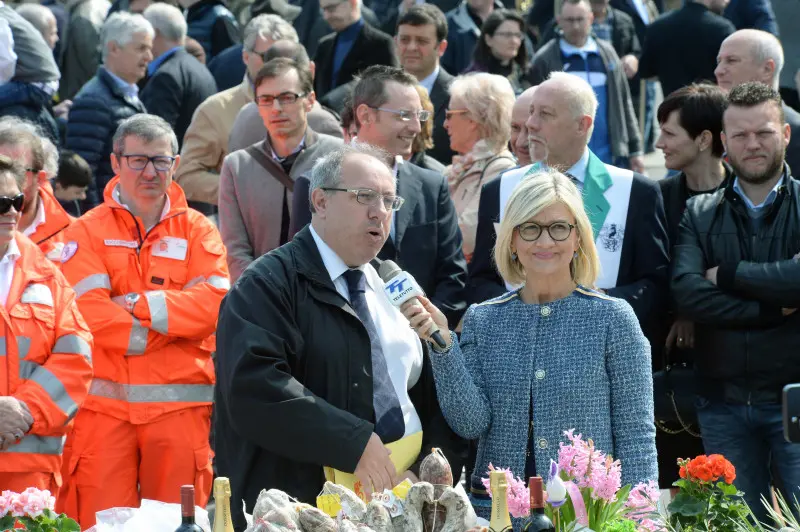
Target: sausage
[
  {"x": 353, "y": 506},
  {"x": 315, "y": 520},
  {"x": 378, "y": 518},
  {"x": 436, "y": 469}
]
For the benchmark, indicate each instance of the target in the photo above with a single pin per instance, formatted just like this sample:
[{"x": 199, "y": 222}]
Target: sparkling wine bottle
[
  {"x": 222, "y": 501},
  {"x": 501, "y": 521}
]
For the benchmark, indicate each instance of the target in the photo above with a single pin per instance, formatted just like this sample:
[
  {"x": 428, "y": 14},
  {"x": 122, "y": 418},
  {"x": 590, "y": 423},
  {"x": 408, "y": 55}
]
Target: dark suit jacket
[
  {"x": 643, "y": 275},
  {"x": 755, "y": 14},
  {"x": 372, "y": 47},
  {"x": 428, "y": 239},
  {"x": 440, "y": 98},
  {"x": 294, "y": 349},
  {"x": 174, "y": 91},
  {"x": 338, "y": 97},
  {"x": 228, "y": 68},
  {"x": 681, "y": 47}
]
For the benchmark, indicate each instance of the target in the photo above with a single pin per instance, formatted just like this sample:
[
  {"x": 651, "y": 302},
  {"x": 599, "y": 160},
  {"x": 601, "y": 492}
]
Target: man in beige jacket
[{"x": 205, "y": 144}]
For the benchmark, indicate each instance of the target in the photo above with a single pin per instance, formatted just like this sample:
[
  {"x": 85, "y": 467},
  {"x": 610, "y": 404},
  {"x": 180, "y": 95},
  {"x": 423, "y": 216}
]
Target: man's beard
[{"x": 775, "y": 166}]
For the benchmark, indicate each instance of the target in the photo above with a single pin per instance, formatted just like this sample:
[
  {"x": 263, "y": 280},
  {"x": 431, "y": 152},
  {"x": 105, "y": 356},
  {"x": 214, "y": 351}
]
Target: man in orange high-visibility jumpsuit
[
  {"x": 43, "y": 219},
  {"x": 45, "y": 354},
  {"x": 150, "y": 275}
]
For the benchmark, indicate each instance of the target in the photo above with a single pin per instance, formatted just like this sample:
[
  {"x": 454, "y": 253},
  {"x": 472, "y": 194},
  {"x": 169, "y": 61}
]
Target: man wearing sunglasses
[
  {"x": 149, "y": 274},
  {"x": 42, "y": 219},
  {"x": 317, "y": 370}
]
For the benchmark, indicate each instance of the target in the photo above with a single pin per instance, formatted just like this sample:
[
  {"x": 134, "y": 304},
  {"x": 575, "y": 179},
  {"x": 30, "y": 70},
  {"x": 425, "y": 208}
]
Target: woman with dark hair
[
  {"x": 501, "y": 48},
  {"x": 691, "y": 122}
]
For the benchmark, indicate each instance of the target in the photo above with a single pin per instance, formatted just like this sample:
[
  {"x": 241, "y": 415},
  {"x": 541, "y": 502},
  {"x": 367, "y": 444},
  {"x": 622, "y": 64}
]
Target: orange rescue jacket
[
  {"x": 158, "y": 359},
  {"x": 46, "y": 360},
  {"x": 49, "y": 236}
]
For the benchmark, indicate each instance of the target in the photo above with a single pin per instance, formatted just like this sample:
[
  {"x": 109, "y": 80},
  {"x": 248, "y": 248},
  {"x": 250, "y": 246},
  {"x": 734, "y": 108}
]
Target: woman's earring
[
  {"x": 575, "y": 255},
  {"x": 513, "y": 255}
]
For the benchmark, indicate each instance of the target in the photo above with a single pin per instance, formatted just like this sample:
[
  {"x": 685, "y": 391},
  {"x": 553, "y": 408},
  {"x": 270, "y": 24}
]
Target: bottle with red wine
[
  {"x": 538, "y": 521},
  {"x": 187, "y": 511}
]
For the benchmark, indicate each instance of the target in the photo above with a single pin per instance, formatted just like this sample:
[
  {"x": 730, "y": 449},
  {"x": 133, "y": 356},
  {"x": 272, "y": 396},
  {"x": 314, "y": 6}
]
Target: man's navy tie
[{"x": 389, "y": 424}]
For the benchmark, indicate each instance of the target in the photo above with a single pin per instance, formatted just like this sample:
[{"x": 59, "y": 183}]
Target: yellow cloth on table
[{"x": 404, "y": 453}]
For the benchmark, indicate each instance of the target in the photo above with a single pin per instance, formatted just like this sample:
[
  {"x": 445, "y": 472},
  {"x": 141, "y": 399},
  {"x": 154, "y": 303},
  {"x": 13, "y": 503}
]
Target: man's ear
[
  {"x": 115, "y": 163},
  {"x": 442, "y": 47},
  {"x": 724, "y": 141},
  {"x": 585, "y": 123},
  {"x": 310, "y": 99},
  {"x": 319, "y": 201},
  {"x": 363, "y": 114}
]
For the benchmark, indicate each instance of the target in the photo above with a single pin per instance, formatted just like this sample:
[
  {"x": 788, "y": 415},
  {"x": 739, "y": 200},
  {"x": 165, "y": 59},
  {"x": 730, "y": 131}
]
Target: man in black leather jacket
[{"x": 735, "y": 274}]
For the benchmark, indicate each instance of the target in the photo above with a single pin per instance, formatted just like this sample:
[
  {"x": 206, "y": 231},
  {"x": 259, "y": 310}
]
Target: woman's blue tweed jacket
[{"x": 583, "y": 363}]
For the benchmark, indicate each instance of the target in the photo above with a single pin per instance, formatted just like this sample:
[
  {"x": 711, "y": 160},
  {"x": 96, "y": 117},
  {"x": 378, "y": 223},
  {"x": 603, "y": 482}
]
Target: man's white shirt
[{"x": 401, "y": 346}]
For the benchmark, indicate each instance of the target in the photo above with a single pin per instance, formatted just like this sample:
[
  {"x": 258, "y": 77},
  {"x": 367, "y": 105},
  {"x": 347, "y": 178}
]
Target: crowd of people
[{"x": 199, "y": 202}]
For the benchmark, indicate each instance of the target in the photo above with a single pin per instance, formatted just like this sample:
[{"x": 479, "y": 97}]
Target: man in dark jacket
[
  {"x": 212, "y": 25},
  {"x": 177, "y": 82},
  {"x": 354, "y": 46},
  {"x": 110, "y": 97},
  {"x": 736, "y": 275},
  {"x": 317, "y": 371},
  {"x": 425, "y": 238}
]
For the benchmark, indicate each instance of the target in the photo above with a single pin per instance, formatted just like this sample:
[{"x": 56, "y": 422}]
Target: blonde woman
[
  {"x": 551, "y": 356},
  {"x": 478, "y": 121}
]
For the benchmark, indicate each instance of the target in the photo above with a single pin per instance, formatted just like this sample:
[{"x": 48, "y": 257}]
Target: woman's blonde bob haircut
[{"x": 534, "y": 194}]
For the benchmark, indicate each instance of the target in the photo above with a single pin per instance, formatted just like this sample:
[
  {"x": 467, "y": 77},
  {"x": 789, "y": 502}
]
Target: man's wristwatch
[{"x": 130, "y": 301}]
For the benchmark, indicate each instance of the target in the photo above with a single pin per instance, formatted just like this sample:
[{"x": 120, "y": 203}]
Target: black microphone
[{"x": 399, "y": 287}]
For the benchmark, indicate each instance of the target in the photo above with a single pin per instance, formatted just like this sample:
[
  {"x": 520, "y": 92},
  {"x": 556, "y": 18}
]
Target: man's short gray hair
[
  {"x": 764, "y": 46},
  {"x": 327, "y": 171},
  {"x": 271, "y": 27},
  {"x": 581, "y": 99},
  {"x": 120, "y": 28},
  {"x": 25, "y": 131},
  {"x": 149, "y": 128},
  {"x": 167, "y": 20},
  {"x": 489, "y": 99},
  {"x": 36, "y": 14}
]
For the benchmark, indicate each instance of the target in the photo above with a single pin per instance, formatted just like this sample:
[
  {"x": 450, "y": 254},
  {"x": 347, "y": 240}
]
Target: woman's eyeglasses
[
  {"x": 531, "y": 231},
  {"x": 449, "y": 114},
  {"x": 6, "y": 203}
]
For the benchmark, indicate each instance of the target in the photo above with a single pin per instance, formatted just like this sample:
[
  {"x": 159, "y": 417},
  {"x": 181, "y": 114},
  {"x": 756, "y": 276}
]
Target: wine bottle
[
  {"x": 222, "y": 501},
  {"x": 538, "y": 521},
  {"x": 501, "y": 521},
  {"x": 187, "y": 511}
]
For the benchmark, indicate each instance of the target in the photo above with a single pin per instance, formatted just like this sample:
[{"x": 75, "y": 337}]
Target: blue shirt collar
[
  {"x": 351, "y": 32},
  {"x": 131, "y": 90},
  {"x": 769, "y": 200},
  {"x": 578, "y": 170},
  {"x": 155, "y": 63},
  {"x": 430, "y": 80}
]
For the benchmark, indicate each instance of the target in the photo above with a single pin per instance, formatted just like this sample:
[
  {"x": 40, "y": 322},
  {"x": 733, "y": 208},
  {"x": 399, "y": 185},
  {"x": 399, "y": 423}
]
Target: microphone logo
[{"x": 396, "y": 285}]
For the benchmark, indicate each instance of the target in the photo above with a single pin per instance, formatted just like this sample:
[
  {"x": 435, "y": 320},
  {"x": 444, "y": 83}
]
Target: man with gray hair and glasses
[
  {"x": 317, "y": 370},
  {"x": 205, "y": 144},
  {"x": 177, "y": 82},
  {"x": 149, "y": 274},
  {"x": 111, "y": 96},
  {"x": 755, "y": 55}
]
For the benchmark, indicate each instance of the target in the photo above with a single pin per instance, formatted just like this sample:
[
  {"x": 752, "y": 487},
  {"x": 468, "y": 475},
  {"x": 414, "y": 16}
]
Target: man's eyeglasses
[
  {"x": 367, "y": 196},
  {"x": 531, "y": 231},
  {"x": 6, "y": 203},
  {"x": 161, "y": 163},
  {"x": 405, "y": 115},
  {"x": 284, "y": 98}
]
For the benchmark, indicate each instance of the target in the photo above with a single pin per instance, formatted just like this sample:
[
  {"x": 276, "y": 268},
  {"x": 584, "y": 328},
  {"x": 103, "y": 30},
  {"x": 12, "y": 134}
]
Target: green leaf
[
  {"x": 686, "y": 505},
  {"x": 65, "y": 524},
  {"x": 727, "y": 489}
]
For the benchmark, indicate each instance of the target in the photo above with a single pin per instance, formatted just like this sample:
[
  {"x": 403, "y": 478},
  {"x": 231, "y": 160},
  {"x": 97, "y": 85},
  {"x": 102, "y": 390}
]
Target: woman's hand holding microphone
[{"x": 425, "y": 319}]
